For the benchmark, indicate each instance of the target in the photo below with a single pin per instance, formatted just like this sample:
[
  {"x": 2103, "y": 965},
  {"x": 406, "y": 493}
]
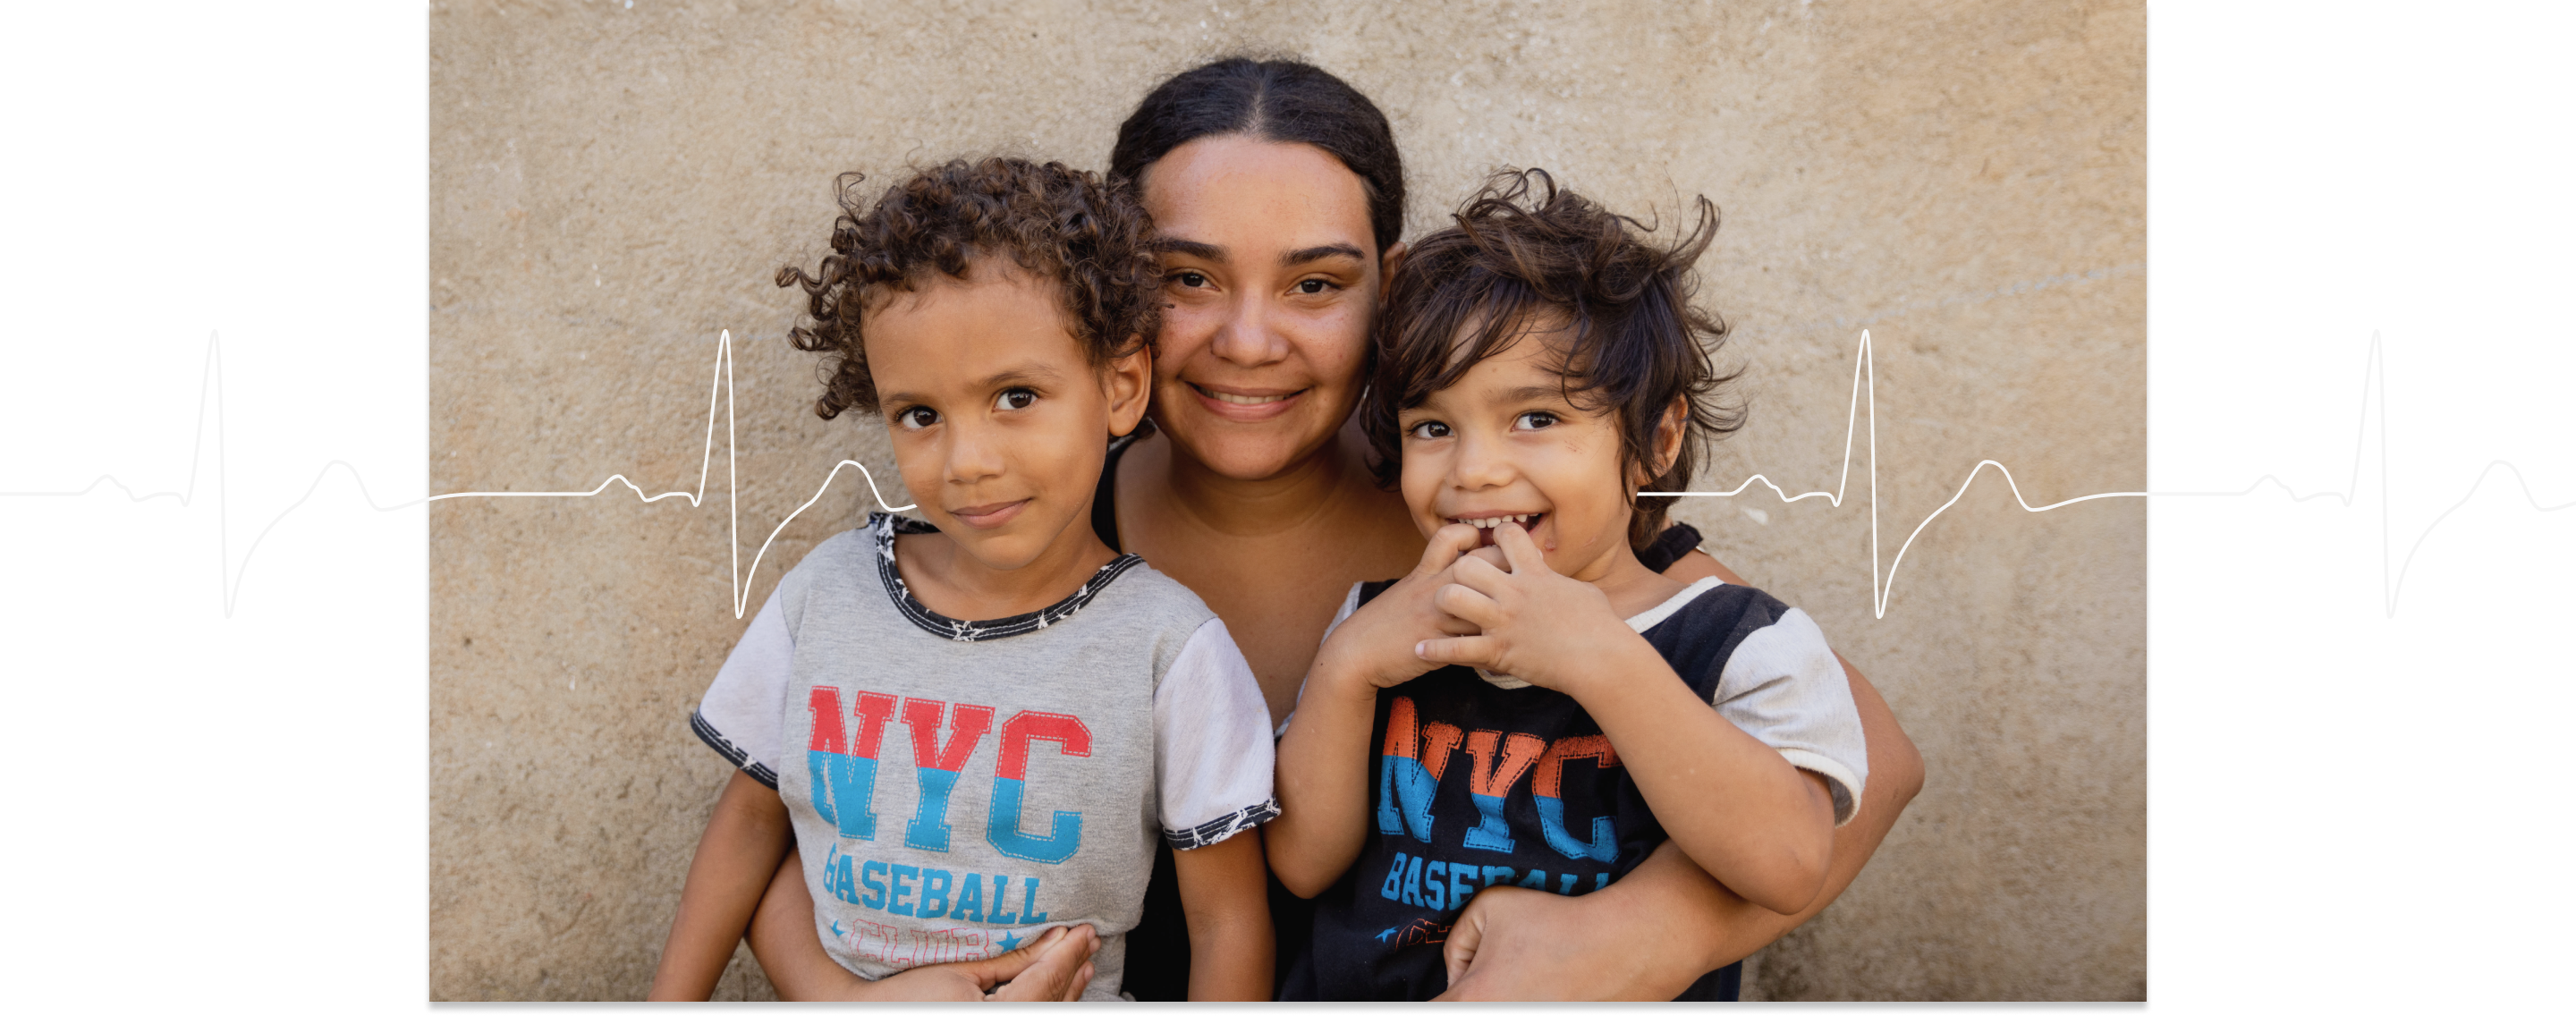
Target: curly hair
[
  {"x": 1522, "y": 248},
  {"x": 1056, "y": 222}
]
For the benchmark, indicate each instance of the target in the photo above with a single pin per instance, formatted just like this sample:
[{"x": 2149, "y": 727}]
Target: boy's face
[
  {"x": 1504, "y": 441},
  {"x": 998, "y": 422}
]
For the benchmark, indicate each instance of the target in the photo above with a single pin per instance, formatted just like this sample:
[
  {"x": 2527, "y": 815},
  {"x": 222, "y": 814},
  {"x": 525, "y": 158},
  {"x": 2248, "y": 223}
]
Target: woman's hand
[
  {"x": 1509, "y": 945},
  {"x": 1376, "y": 643}
]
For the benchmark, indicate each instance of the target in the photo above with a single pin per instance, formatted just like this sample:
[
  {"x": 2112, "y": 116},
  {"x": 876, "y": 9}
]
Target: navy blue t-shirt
[{"x": 1478, "y": 785}]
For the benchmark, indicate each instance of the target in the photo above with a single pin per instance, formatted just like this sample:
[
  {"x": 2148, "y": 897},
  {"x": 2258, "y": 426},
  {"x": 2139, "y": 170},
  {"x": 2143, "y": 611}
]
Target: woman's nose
[{"x": 1246, "y": 339}]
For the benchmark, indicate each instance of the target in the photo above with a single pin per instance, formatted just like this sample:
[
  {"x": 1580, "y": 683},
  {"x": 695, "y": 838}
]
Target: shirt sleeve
[
  {"x": 743, "y": 710},
  {"x": 1783, "y": 686},
  {"x": 1211, "y": 743}
]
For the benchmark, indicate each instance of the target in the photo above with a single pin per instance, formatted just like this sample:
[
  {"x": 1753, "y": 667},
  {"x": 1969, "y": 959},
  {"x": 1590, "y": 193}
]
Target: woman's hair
[
  {"x": 1057, "y": 223},
  {"x": 1270, "y": 100},
  {"x": 1525, "y": 257}
]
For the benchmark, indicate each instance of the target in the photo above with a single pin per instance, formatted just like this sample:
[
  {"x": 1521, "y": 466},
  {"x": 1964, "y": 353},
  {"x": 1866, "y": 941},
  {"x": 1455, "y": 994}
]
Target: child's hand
[
  {"x": 1532, "y": 623},
  {"x": 1376, "y": 643}
]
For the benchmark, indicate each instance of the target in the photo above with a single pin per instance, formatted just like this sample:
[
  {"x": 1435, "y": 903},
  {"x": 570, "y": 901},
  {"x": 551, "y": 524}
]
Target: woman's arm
[
  {"x": 1227, "y": 899},
  {"x": 736, "y": 854},
  {"x": 1653, "y": 932}
]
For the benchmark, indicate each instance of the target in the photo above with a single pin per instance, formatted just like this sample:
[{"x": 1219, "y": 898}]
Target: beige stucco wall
[{"x": 610, "y": 187}]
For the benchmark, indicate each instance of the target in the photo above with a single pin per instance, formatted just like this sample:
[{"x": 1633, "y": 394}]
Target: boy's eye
[
  {"x": 1190, "y": 280},
  {"x": 917, "y": 417},
  {"x": 1310, "y": 287},
  {"x": 1429, "y": 430},
  {"x": 1534, "y": 420},
  {"x": 1016, "y": 398}
]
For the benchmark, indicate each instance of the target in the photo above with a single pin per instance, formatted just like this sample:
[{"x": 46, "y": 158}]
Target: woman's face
[{"x": 1271, "y": 277}]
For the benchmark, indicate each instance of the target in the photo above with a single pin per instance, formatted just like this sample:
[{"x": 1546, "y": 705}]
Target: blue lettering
[
  {"x": 1491, "y": 832},
  {"x": 1551, "y": 823},
  {"x": 1461, "y": 884},
  {"x": 970, "y": 898},
  {"x": 1435, "y": 887},
  {"x": 837, "y": 877},
  {"x": 1537, "y": 879},
  {"x": 844, "y": 788},
  {"x": 896, "y": 904},
  {"x": 869, "y": 873},
  {"x": 1001, "y": 895},
  {"x": 1601, "y": 881},
  {"x": 1498, "y": 876},
  {"x": 928, "y": 829},
  {"x": 1029, "y": 912},
  {"x": 1412, "y": 895},
  {"x": 934, "y": 886},
  {"x": 1403, "y": 784},
  {"x": 1394, "y": 887},
  {"x": 1002, "y": 828},
  {"x": 1565, "y": 885}
]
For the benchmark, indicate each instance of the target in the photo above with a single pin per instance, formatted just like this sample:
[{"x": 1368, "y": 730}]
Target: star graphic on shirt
[
  {"x": 1384, "y": 935},
  {"x": 1010, "y": 941}
]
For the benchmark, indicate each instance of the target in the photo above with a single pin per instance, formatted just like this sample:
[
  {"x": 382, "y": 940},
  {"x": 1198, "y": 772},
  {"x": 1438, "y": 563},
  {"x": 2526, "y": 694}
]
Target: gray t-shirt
[{"x": 967, "y": 785}]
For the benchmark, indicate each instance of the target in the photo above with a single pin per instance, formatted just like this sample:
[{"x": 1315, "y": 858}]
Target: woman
[{"x": 1279, "y": 196}]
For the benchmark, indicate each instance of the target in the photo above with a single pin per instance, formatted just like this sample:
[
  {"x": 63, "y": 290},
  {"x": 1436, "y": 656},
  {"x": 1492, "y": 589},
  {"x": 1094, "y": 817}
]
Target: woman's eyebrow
[
  {"x": 1207, "y": 252},
  {"x": 1331, "y": 250}
]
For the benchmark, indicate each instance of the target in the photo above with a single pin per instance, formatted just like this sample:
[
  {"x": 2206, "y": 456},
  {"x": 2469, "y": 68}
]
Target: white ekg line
[
  {"x": 1865, "y": 384},
  {"x": 724, "y": 383},
  {"x": 733, "y": 515}
]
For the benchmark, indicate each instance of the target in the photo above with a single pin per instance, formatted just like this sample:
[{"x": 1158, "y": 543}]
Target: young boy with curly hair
[
  {"x": 1542, "y": 711},
  {"x": 1002, "y": 719}
]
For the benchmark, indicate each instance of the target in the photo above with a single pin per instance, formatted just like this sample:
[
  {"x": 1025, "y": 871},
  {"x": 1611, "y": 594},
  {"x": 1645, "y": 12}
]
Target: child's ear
[
  {"x": 1668, "y": 441},
  {"x": 1128, "y": 381}
]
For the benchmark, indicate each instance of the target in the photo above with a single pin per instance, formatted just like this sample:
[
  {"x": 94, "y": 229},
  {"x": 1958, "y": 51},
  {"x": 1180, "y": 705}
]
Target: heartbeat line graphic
[
  {"x": 1865, "y": 386},
  {"x": 724, "y": 385},
  {"x": 723, "y": 381}
]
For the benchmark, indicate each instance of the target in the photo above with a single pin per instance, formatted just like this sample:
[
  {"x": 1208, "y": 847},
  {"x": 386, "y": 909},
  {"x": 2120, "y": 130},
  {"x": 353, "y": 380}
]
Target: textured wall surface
[{"x": 612, "y": 186}]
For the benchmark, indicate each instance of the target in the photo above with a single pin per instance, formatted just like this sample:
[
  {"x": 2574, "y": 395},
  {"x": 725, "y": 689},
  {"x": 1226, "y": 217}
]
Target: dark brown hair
[
  {"x": 1524, "y": 256},
  {"x": 1055, "y": 222},
  {"x": 1270, "y": 100}
]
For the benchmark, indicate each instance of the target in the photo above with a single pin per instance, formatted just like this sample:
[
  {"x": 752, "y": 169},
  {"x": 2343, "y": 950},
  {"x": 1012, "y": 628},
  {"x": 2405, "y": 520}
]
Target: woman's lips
[
  {"x": 987, "y": 516},
  {"x": 1245, "y": 404}
]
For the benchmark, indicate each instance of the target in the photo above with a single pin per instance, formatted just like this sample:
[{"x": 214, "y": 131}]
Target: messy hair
[
  {"x": 1055, "y": 222},
  {"x": 1524, "y": 257}
]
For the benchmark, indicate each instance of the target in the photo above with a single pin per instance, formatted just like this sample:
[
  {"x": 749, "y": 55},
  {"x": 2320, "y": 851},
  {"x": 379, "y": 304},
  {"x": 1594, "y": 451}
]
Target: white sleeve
[
  {"x": 1211, "y": 743},
  {"x": 743, "y": 710},
  {"x": 1783, "y": 686}
]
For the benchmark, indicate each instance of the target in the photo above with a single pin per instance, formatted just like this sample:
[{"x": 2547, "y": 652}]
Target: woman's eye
[
  {"x": 917, "y": 417},
  {"x": 1533, "y": 421},
  {"x": 1429, "y": 430},
  {"x": 1016, "y": 398}
]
